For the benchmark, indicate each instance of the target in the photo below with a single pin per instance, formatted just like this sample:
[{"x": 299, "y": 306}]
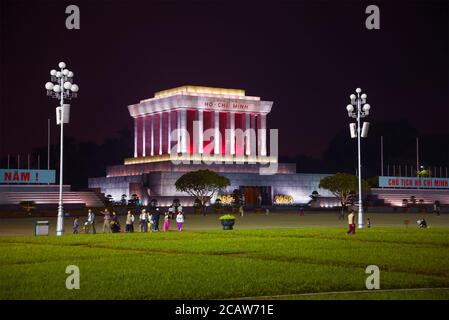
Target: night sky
[{"x": 306, "y": 56}]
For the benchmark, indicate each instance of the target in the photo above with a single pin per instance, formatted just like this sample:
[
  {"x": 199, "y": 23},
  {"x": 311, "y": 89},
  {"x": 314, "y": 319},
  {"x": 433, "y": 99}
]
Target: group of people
[
  {"x": 147, "y": 221},
  {"x": 150, "y": 221}
]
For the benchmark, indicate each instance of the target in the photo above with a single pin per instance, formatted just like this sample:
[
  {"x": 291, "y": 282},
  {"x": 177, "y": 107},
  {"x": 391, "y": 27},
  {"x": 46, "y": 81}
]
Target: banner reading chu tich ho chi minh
[
  {"x": 409, "y": 182},
  {"x": 26, "y": 176}
]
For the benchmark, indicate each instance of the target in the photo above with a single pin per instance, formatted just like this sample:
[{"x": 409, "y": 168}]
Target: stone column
[
  {"x": 183, "y": 128},
  {"x": 232, "y": 133},
  {"x": 160, "y": 133},
  {"x": 253, "y": 144},
  {"x": 200, "y": 132},
  {"x": 262, "y": 134},
  {"x": 143, "y": 136},
  {"x": 152, "y": 135},
  {"x": 169, "y": 133},
  {"x": 248, "y": 134},
  {"x": 216, "y": 132},
  {"x": 178, "y": 127},
  {"x": 135, "y": 137}
]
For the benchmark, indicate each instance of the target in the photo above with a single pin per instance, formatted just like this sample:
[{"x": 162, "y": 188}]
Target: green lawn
[{"x": 228, "y": 264}]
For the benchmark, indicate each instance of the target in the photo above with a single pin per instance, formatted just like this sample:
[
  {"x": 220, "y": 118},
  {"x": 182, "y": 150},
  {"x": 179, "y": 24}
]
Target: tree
[
  {"x": 123, "y": 200},
  {"x": 108, "y": 201},
  {"x": 373, "y": 182},
  {"x": 153, "y": 203},
  {"x": 134, "y": 201},
  {"x": 201, "y": 184},
  {"x": 343, "y": 186},
  {"x": 315, "y": 195},
  {"x": 424, "y": 173}
]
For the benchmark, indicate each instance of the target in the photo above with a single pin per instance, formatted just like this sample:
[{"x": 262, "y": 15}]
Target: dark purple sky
[{"x": 306, "y": 56}]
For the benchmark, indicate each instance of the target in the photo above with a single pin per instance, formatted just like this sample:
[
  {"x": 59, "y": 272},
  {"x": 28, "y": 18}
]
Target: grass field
[{"x": 219, "y": 264}]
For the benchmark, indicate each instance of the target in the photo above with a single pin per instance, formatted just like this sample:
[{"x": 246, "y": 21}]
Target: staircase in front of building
[
  {"x": 89, "y": 198},
  {"x": 394, "y": 197}
]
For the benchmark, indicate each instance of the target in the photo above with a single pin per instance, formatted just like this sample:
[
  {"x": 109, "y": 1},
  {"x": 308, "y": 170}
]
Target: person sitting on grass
[{"x": 422, "y": 223}]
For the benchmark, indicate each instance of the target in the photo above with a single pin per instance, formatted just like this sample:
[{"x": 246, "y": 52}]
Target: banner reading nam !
[
  {"x": 413, "y": 183},
  {"x": 26, "y": 176}
]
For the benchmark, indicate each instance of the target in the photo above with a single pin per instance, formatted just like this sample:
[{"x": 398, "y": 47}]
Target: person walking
[
  {"x": 179, "y": 221},
  {"x": 166, "y": 224},
  {"x": 106, "y": 221},
  {"x": 76, "y": 225},
  {"x": 171, "y": 212},
  {"x": 156, "y": 217},
  {"x": 91, "y": 221},
  {"x": 143, "y": 221},
  {"x": 351, "y": 222},
  {"x": 129, "y": 222}
]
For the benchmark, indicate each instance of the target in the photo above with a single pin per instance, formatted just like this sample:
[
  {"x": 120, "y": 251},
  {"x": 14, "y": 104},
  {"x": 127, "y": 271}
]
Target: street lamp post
[
  {"x": 61, "y": 87},
  {"x": 356, "y": 111}
]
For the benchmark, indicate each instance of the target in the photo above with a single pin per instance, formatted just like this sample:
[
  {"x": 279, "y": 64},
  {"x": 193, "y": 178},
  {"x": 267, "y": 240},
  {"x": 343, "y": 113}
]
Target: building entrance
[{"x": 255, "y": 196}]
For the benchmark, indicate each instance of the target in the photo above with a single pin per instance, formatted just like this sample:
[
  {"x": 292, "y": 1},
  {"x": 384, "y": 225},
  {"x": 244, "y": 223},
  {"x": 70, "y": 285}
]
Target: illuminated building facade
[
  {"x": 200, "y": 123},
  {"x": 190, "y": 128}
]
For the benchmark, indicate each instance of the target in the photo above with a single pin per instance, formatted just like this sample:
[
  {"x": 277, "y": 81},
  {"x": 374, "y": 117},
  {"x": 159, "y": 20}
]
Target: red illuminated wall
[
  {"x": 240, "y": 142},
  {"x": 224, "y": 123},
  {"x": 156, "y": 133},
  {"x": 191, "y": 116},
  {"x": 254, "y": 126},
  {"x": 208, "y": 123},
  {"x": 173, "y": 127},
  {"x": 165, "y": 133}
]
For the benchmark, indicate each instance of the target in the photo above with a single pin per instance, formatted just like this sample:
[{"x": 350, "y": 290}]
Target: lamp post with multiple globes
[
  {"x": 61, "y": 87},
  {"x": 356, "y": 111}
]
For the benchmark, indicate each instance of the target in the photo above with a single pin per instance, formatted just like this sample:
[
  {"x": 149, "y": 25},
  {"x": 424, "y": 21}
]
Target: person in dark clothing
[
  {"x": 422, "y": 223},
  {"x": 115, "y": 224},
  {"x": 436, "y": 207},
  {"x": 156, "y": 217}
]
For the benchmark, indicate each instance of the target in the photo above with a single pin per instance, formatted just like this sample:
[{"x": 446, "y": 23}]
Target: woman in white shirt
[{"x": 179, "y": 220}]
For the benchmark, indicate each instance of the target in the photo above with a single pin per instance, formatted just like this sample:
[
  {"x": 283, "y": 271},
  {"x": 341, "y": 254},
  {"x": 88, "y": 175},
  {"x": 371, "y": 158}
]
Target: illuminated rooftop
[{"x": 200, "y": 90}]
